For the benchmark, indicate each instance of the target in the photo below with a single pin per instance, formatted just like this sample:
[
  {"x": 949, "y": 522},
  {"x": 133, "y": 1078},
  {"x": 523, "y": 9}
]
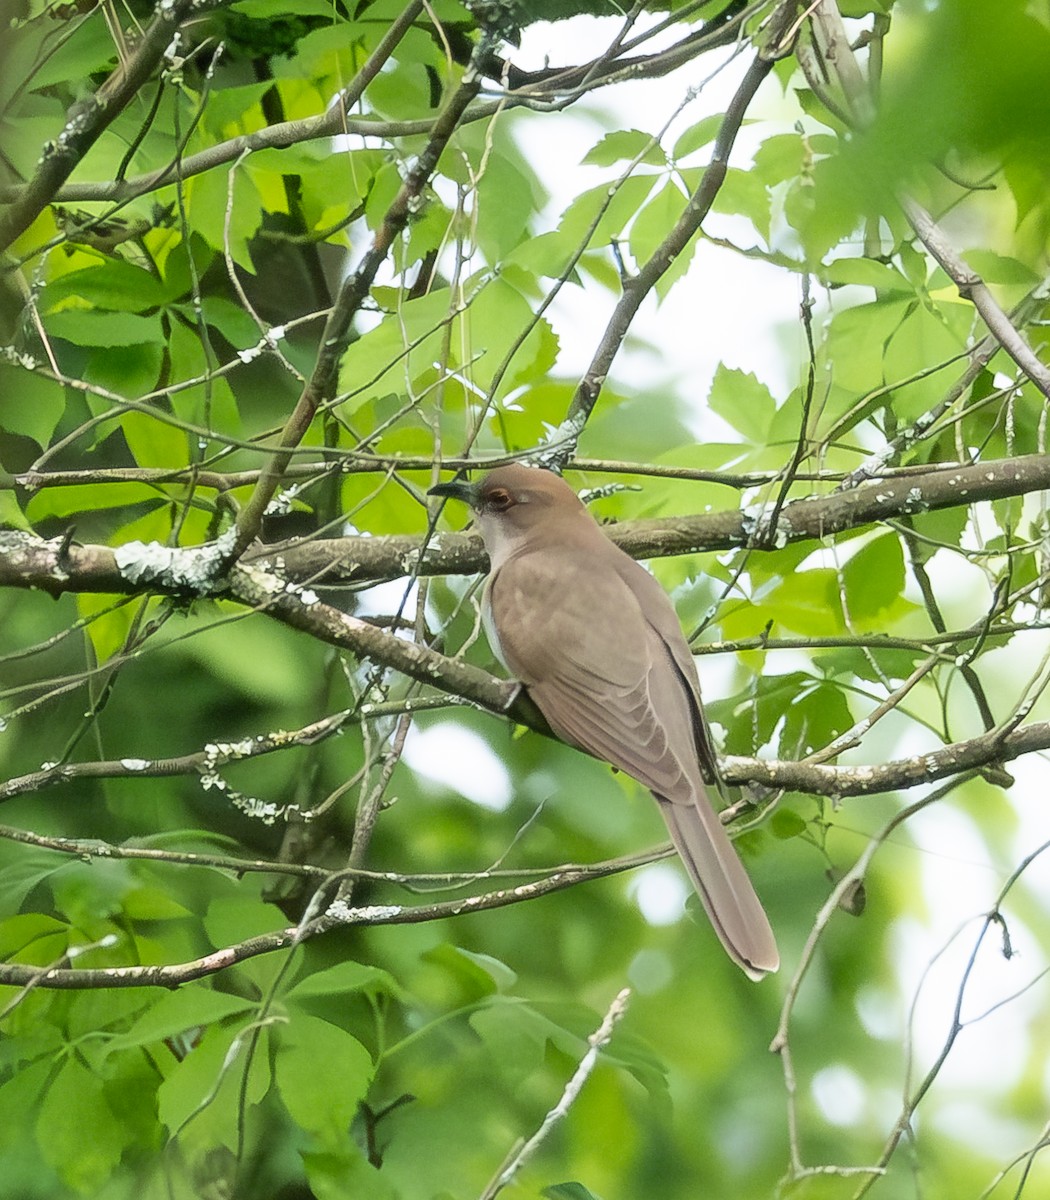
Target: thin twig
[{"x": 597, "y": 1042}]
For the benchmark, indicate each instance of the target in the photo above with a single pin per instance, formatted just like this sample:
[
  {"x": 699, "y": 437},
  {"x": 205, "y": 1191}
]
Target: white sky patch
[
  {"x": 975, "y": 1124},
  {"x": 660, "y": 893},
  {"x": 385, "y": 598},
  {"x": 990, "y": 1034},
  {"x": 461, "y": 760},
  {"x": 840, "y": 1094},
  {"x": 879, "y": 1013}
]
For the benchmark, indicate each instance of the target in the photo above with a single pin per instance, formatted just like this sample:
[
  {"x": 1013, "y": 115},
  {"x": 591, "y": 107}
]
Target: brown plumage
[{"x": 596, "y": 641}]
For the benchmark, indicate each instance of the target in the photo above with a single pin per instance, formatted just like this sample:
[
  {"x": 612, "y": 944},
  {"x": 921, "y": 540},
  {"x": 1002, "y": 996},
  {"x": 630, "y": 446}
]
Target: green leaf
[
  {"x": 998, "y": 268},
  {"x": 203, "y": 1087},
  {"x": 11, "y": 515},
  {"x": 230, "y": 920},
  {"x": 815, "y": 717},
  {"x": 780, "y": 157},
  {"x": 742, "y": 401},
  {"x": 786, "y": 824},
  {"x": 612, "y": 214},
  {"x": 515, "y": 1036},
  {"x": 94, "y": 327},
  {"x": 74, "y": 58},
  {"x": 625, "y": 145},
  {"x": 209, "y": 197},
  {"x": 506, "y": 202},
  {"x": 30, "y": 937},
  {"x": 808, "y": 602},
  {"x": 651, "y": 225},
  {"x": 336, "y": 1174},
  {"x": 238, "y": 327},
  {"x": 194, "y": 1005},
  {"x": 267, "y": 10},
  {"x": 743, "y": 193},
  {"x": 345, "y": 978},
  {"x": 919, "y": 343},
  {"x": 822, "y": 207},
  {"x": 697, "y": 136},
  {"x": 109, "y": 626},
  {"x": 78, "y": 1134},
  {"x": 237, "y": 106},
  {"x": 113, "y": 284},
  {"x": 130, "y": 370},
  {"x": 153, "y": 443},
  {"x": 33, "y": 405},
  {"x": 19, "y": 1100},
  {"x": 874, "y": 580},
  {"x": 867, "y": 273},
  {"x": 87, "y": 497},
  {"x": 569, "y": 1191},
  {"x": 856, "y": 339},
  {"x": 479, "y": 974},
  {"x": 322, "y": 1075},
  {"x": 148, "y": 903}
]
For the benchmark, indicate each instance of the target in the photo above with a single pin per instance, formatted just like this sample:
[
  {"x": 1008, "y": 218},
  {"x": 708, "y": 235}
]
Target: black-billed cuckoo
[{"x": 597, "y": 644}]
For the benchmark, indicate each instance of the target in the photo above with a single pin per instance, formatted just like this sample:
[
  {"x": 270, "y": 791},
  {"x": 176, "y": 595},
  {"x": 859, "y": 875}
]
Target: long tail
[{"x": 722, "y": 884}]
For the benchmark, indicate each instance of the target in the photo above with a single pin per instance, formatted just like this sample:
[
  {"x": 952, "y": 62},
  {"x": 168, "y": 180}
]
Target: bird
[{"x": 595, "y": 641}]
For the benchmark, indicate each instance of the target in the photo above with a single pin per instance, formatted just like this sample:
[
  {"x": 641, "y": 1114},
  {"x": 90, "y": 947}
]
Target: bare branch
[
  {"x": 816, "y": 779},
  {"x": 365, "y": 559},
  {"x": 973, "y": 288}
]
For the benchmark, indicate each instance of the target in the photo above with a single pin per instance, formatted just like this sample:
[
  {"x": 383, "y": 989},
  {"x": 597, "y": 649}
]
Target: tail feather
[{"x": 722, "y": 884}]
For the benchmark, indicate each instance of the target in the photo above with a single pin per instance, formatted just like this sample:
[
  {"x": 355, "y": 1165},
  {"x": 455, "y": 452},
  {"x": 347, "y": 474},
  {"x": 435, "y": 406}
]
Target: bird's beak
[{"x": 457, "y": 489}]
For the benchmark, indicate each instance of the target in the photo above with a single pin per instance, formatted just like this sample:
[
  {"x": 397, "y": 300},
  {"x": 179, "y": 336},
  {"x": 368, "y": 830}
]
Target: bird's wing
[
  {"x": 578, "y": 640},
  {"x": 664, "y": 621}
]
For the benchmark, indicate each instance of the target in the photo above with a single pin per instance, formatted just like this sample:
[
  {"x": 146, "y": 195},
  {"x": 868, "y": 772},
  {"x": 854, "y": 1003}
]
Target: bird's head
[{"x": 511, "y": 501}]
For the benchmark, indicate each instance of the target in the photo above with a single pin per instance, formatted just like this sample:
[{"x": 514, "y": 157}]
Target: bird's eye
[{"x": 500, "y": 499}]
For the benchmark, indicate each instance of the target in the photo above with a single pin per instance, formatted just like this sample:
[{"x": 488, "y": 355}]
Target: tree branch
[
  {"x": 973, "y": 288},
  {"x": 534, "y": 89},
  {"x": 56, "y": 567},
  {"x": 88, "y": 118},
  {"x": 364, "y": 559},
  {"x": 339, "y": 916},
  {"x": 816, "y": 779}
]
